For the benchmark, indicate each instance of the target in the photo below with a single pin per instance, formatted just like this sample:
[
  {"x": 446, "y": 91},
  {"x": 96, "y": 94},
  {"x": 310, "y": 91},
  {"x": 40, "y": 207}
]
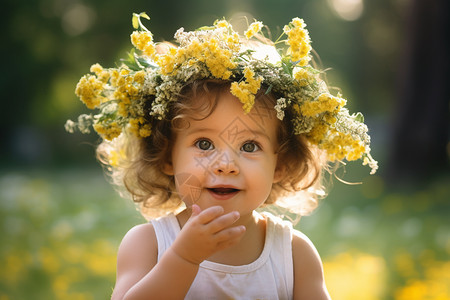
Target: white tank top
[{"x": 270, "y": 276}]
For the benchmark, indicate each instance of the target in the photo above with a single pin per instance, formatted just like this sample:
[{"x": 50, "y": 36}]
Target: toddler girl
[{"x": 202, "y": 135}]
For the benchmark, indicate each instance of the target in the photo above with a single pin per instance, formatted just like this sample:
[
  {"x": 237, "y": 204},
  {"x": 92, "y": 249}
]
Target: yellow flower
[
  {"x": 166, "y": 61},
  {"x": 139, "y": 127},
  {"x": 126, "y": 87},
  {"x": 323, "y": 103},
  {"x": 222, "y": 24},
  {"x": 254, "y": 85},
  {"x": 115, "y": 157},
  {"x": 329, "y": 118},
  {"x": 253, "y": 29},
  {"x": 143, "y": 40},
  {"x": 296, "y": 108},
  {"x": 90, "y": 89},
  {"x": 214, "y": 53},
  {"x": 108, "y": 131},
  {"x": 317, "y": 133},
  {"x": 338, "y": 145},
  {"x": 97, "y": 69},
  {"x": 139, "y": 77},
  {"x": 247, "y": 99},
  {"x": 245, "y": 90},
  {"x": 298, "y": 41},
  {"x": 358, "y": 149},
  {"x": 233, "y": 42},
  {"x": 303, "y": 77}
]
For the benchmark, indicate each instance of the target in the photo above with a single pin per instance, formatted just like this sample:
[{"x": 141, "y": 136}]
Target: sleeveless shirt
[{"x": 270, "y": 276}]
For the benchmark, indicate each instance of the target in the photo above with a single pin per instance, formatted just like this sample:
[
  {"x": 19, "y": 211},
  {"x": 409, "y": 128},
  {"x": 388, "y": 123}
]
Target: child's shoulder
[
  {"x": 308, "y": 269},
  {"x": 138, "y": 232},
  {"x": 302, "y": 244},
  {"x": 137, "y": 255},
  {"x": 138, "y": 242}
]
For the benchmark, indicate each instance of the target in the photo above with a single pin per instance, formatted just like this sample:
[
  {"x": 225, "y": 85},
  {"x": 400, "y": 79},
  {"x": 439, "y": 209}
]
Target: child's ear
[
  {"x": 168, "y": 168},
  {"x": 279, "y": 172}
]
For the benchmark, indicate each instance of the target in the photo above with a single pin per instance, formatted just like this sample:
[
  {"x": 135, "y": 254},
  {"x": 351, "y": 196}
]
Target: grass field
[{"x": 60, "y": 231}]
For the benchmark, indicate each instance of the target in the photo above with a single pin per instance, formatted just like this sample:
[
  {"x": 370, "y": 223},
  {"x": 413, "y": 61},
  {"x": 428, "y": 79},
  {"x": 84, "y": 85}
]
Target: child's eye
[
  {"x": 250, "y": 147},
  {"x": 204, "y": 144}
]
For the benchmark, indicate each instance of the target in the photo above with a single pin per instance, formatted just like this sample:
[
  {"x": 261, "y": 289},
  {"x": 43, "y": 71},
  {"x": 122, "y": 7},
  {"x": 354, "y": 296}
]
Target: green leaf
[
  {"x": 144, "y": 15},
  {"x": 145, "y": 62},
  {"x": 131, "y": 62},
  {"x": 359, "y": 117},
  {"x": 205, "y": 28},
  {"x": 131, "y": 54},
  {"x": 287, "y": 65},
  {"x": 135, "y": 21},
  {"x": 131, "y": 66}
]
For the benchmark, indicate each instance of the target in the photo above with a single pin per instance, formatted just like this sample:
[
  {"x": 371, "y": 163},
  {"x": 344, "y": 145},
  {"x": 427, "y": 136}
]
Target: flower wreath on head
[{"x": 218, "y": 52}]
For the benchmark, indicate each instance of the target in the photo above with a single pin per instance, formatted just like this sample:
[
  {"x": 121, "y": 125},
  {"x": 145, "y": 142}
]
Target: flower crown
[{"x": 218, "y": 52}]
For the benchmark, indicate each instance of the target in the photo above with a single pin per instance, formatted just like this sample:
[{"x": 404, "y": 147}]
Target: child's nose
[{"x": 225, "y": 164}]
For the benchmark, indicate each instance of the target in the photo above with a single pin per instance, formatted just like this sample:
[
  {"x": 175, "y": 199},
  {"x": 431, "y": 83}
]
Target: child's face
[{"x": 228, "y": 158}]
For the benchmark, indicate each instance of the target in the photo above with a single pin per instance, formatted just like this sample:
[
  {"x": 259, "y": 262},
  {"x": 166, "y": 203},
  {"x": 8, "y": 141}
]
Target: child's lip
[{"x": 223, "y": 192}]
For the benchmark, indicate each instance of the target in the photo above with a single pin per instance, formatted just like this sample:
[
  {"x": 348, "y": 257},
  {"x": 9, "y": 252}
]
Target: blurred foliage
[
  {"x": 377, "y": 243},
  {"x": 50, "y": 44},
  {"x": 60, "y": 233}
]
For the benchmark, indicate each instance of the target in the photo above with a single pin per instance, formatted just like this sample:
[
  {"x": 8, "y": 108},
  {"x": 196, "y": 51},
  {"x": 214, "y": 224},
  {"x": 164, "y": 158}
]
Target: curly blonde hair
[{"x": 138, "y": 164}]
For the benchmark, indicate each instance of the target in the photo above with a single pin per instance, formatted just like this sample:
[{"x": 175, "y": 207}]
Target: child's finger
[
  {"x": 223, "y": 221},
  {"x": 230, "y": 234},
  {"x": 196, "y": 210},
  {"x": 210, "y": 214}
]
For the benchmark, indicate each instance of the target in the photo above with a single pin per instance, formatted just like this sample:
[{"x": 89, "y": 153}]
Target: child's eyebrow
[
  {"x": 197, "y": 129},
  {"x": 229, "y": 134}
]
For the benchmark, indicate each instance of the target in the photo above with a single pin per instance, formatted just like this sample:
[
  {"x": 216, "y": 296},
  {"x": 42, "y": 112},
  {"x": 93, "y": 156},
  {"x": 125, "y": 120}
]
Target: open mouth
[{"x": 223, "y": 191}]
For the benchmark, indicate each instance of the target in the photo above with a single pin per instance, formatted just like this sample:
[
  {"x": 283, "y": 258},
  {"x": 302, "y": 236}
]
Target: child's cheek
[{"x": 188, "y": 187}]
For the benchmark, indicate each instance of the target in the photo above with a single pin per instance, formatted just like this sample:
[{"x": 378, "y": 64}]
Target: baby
[{"x": 202, "y": 135}]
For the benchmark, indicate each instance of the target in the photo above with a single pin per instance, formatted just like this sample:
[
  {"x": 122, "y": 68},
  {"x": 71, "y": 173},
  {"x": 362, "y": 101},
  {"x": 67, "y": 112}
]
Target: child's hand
[{"x": 206, "y": 232}]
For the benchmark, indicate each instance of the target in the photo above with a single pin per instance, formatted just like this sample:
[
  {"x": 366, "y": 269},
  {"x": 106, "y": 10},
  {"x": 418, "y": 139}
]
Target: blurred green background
[{"x": 61, "y": 222}]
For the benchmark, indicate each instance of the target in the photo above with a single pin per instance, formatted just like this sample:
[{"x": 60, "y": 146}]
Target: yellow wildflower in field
[
  {"x": 356, "y": 276},
  {"x": 435, "y": 283}
]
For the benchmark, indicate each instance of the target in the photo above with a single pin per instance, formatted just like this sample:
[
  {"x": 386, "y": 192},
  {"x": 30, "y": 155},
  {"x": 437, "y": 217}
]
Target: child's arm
[
  {"x": 140, "y": 275},
  {"x": 309, "y": 282}
]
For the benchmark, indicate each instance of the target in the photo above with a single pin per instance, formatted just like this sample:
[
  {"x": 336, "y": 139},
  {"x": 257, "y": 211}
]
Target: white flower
[
  {"x": 279, "y": 107},
  {"x": 70, "y": 126},
  {"x": 84, "y": 123}
]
